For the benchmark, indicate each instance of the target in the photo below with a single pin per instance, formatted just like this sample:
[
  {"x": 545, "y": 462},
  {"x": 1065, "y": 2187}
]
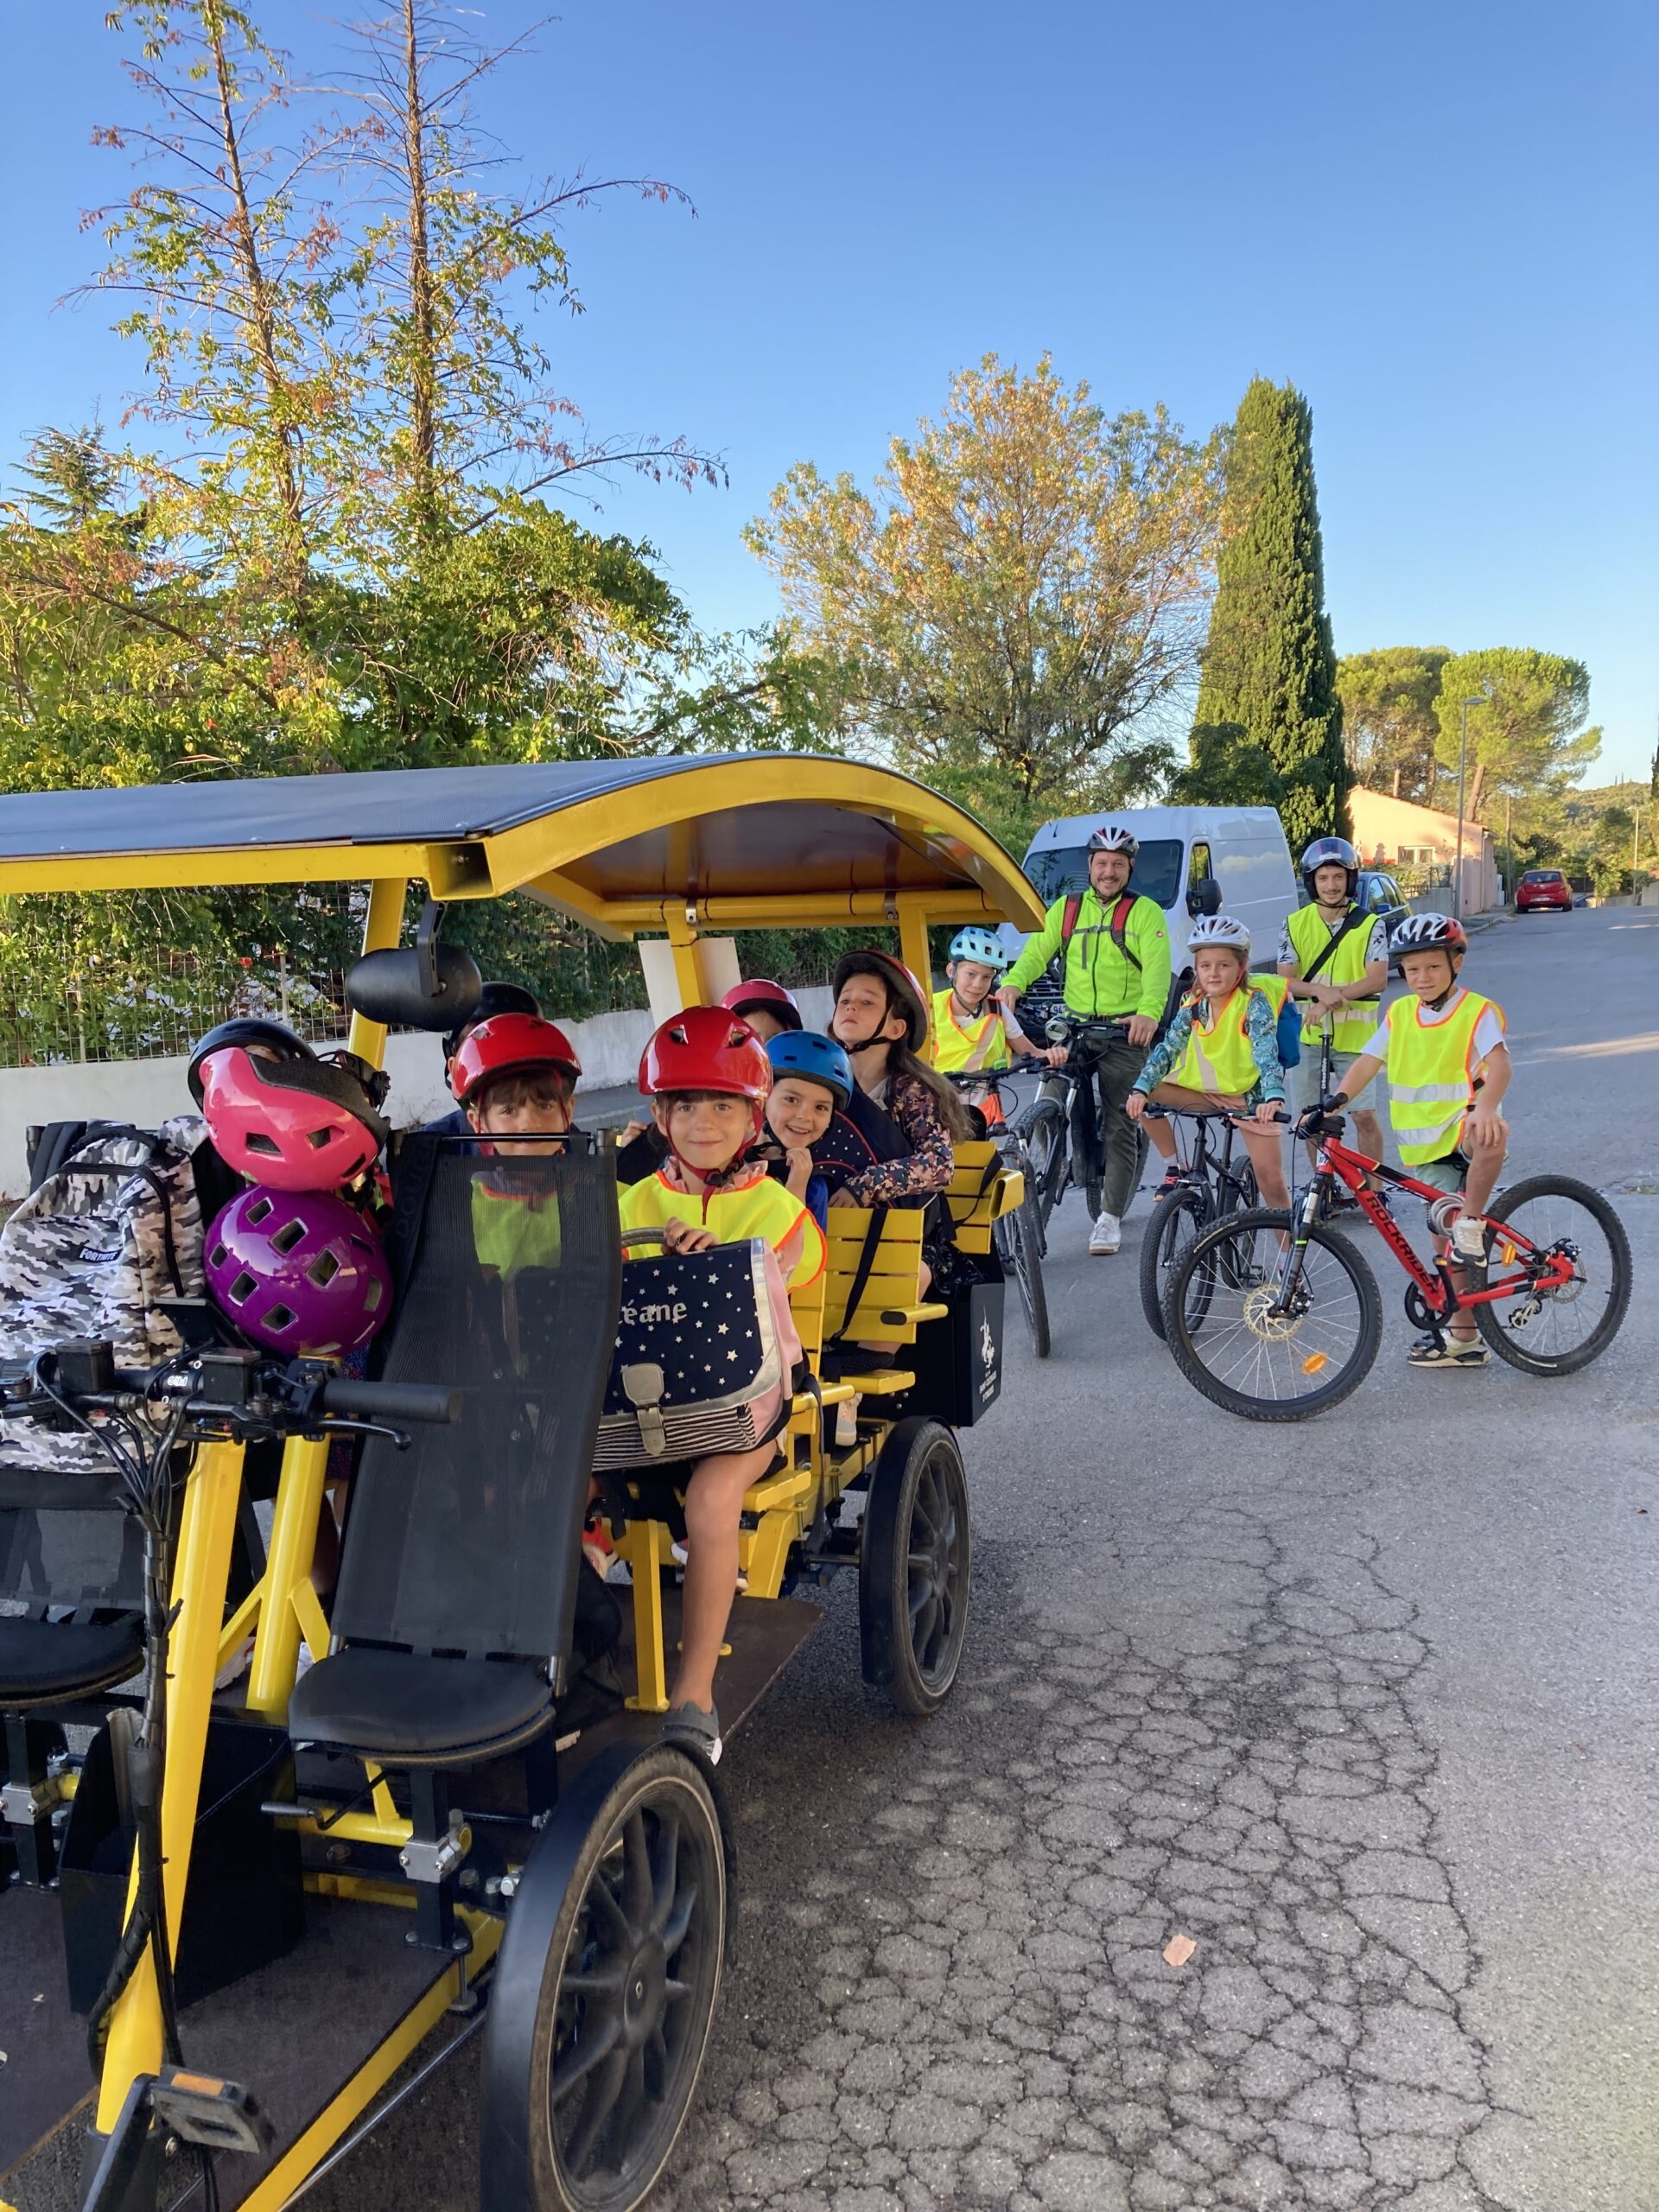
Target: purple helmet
[{"x": 298, "y": 1271}]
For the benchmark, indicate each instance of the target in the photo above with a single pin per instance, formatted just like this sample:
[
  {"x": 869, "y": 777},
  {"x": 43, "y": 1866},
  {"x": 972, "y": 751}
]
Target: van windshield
[{"x": 1060, "y": 869}]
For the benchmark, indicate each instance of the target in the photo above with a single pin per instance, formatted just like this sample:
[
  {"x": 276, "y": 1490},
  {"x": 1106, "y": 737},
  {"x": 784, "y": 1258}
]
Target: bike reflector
[{"x": 1314, "y": 1362}]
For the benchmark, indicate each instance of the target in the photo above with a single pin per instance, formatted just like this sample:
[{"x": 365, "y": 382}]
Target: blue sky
[{"x": 1437, "y": 220}]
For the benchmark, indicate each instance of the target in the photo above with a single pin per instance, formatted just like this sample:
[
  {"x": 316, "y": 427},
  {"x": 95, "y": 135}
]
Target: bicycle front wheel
[
  {"x": 1273, "y": 1320},
  {"x": 1044, "y": 1132},
  {"x": 1175, "y": 1222},
  {"x": 1555, "y": 1331},
  {"x": 1019, "y": 1242}
]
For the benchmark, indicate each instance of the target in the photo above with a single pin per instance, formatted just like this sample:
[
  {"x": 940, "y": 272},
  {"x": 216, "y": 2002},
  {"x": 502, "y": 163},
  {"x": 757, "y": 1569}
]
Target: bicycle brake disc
[{"x": 1273, "y": 1328}]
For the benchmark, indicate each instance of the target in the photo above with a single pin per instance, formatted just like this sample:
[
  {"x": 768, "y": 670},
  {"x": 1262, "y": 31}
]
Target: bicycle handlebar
[{"x": 437, "y": 1403}]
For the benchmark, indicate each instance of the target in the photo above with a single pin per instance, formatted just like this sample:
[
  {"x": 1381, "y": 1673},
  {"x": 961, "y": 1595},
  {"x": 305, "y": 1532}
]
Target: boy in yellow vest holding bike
[
  {"x": 1335, "y": 958},
  {"x": 1448, "y": 1069}
]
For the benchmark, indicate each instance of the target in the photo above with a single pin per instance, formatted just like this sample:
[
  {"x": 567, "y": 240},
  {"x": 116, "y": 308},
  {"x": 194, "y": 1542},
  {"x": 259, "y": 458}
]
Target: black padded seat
[
  {"x": 40, "y": 1661},
  {"x": 400, "y": 1708}
]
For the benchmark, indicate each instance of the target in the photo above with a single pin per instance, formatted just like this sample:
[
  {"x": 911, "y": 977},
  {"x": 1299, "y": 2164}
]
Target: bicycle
[
  {"x": 1018, "y": 1236},
  {"x": 1275, "y": 1316},
  {"x": 1213, "y": 1188},
  {"x": 1049, "y": 1124}
]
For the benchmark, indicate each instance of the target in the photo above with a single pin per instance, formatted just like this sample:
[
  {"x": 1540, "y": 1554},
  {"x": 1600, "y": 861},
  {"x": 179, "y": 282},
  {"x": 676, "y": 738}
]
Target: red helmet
[
  {"x": 508, "y": 1044},
  {"x": 770, "y": 998},
  {"x": 706, "y": 1048},
  {"x": 292, "y": 1121},
  {"x": 905, "y": 994}
]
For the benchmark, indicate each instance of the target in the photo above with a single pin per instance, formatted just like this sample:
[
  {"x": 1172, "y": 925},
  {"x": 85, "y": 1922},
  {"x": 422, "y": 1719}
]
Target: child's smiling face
[
  {"x": 971, "y": 980},
  {"x": 799, "y": 1113},
  {"x": 707, "y": 1128},
  {"x": 1217, "y": 970}
]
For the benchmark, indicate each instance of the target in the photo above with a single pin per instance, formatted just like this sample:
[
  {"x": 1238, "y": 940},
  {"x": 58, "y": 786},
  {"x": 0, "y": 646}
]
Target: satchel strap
[{"x": 861, "y": 1272}]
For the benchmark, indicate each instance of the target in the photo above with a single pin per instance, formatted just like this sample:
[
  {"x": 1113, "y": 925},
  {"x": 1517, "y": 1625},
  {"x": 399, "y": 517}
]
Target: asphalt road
[{"x": 1364, "y": 1707}]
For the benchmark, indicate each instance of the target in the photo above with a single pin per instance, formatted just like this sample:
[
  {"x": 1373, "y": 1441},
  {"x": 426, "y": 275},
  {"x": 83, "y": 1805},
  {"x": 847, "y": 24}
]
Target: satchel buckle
[{"x": 643, "y": 1386}]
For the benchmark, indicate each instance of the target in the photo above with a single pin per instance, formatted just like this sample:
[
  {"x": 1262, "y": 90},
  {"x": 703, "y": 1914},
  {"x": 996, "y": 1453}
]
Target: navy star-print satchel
[{"x": 705, "y": 1359}]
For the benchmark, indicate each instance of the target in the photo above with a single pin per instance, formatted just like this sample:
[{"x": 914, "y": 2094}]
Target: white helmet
[
  {"x": 1220, "y": 929},
  {"x": 1429, "y": 932},
  {"x": 1112, "y": 837}
]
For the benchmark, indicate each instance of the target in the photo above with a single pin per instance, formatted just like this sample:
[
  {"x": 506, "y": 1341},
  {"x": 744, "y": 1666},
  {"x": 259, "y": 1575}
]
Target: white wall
[{"x": 145, "y": 1092}]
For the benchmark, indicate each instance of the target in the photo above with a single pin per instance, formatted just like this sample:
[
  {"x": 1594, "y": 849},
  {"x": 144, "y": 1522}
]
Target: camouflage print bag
[{"x": 93, "y": 1253}]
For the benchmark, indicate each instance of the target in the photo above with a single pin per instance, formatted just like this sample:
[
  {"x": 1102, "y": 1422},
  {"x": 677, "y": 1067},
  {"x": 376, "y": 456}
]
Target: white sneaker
[
  {"x": 1105, "y": 1237},
  {"x": 1469, "y": 1238}
]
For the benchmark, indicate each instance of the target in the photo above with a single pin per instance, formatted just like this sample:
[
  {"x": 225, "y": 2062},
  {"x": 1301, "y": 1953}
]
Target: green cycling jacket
[{"x": 1100, "y": 981}]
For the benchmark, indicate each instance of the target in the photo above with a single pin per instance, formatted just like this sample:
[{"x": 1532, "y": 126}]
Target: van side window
[{"x": 1198, "y": 867}]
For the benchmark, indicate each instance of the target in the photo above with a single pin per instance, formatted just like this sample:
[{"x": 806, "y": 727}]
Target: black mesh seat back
[
  {"x": 470, "y": 1540},
  {"x": 69, "y": 1558}
]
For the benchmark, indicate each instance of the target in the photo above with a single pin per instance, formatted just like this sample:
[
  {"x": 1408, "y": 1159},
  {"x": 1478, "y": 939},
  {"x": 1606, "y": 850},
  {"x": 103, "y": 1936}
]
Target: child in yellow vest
[
  {"x": 707, "y": 1076},
  {"x": 1221, "y": 1052},
  {"x": 971, "y": 1035},
  {"x": 1448, "y": 1069}
]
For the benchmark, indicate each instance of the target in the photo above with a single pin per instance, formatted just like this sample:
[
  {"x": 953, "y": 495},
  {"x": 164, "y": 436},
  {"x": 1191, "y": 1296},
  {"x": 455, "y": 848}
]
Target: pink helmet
[
  {"x": 294, "y": 1123},
  {"x": 301, "y": 1272}
]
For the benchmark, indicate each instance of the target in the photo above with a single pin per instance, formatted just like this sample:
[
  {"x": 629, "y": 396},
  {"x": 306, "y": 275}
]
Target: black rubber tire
[
  {"x": 1043, "y": 1129},
  {"x": 1020, "y": 1245},
  {"x": 663, "y": 1791},
  {"x": 1207, "y": 1252},
  {"x": 1175, "y": 1219},
  {"x": 1489, "y": 1319},
  {"x": 915, "y": 1564}
]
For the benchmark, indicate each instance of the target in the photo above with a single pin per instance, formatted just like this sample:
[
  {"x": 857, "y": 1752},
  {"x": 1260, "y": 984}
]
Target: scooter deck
[{"x": 295, "y": 2032}]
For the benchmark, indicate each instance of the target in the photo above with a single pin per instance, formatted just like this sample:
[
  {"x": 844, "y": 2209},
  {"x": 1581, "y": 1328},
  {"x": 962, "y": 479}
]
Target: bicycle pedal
[{"x": 217, "y": 2115}]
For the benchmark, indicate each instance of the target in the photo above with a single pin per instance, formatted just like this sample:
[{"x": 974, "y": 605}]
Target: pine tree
[{"x": 1269, "y": 668}]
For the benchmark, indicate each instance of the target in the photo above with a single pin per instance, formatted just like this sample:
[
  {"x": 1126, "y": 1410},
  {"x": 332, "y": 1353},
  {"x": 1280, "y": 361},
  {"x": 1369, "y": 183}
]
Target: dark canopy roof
[{"x": 742, "y": 839}]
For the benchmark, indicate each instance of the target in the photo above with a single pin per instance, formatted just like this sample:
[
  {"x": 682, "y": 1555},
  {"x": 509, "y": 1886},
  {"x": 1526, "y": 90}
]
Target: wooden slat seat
[{"x": 980, "y": 1191}]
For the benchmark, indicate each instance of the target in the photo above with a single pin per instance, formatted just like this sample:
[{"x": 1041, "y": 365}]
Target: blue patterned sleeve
[
  {"x": 1164, "y": 1054},
  {"x": 1261, "y": 1028}
]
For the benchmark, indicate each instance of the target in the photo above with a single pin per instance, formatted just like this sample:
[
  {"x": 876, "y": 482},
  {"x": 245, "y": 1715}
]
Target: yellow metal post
[
  {"x": 207, "y": 1526},
  {"x": 383, "y": 927},
  {"x": 695, "y": 988},
  {"x": 288, "y": 1566},
  {"x": 912, "y": 951}
]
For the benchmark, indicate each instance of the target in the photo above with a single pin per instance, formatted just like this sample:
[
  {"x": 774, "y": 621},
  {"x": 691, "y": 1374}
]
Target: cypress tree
[{"x": 1270, "y": 677}]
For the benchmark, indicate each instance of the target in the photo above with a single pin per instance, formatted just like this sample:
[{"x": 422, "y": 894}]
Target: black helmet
[
  {"x": 1330, "y": 852},
  {"x": 271, "y": 1038},
  {"x": 494, "y": 998}
]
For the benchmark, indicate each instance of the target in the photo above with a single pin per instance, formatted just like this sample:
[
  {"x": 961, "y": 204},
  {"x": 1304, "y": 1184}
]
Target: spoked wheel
[
  {"x": 626, "y": 1996},
  {"x": 1563, "y": 1223},
  {"x": 1044, "y": 1131},
  {"x": 1269, "y": 1328},
  {"x": 1176, "y": 1220},
  {"x": 1020, "y": 1247},
  {"x": 915, "y": 1559}
]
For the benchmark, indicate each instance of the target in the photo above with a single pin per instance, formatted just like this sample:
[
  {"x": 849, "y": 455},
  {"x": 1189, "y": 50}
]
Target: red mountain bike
[{"x": 1275, "y": 1316}]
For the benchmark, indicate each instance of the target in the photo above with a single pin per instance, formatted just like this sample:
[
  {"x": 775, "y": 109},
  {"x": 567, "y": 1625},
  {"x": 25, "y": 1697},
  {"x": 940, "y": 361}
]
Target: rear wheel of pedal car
[
  {"x": 1176, "y": 1220},
  {"x": 915, "y": 1561},
  {"x": 628, "y": 1995}
]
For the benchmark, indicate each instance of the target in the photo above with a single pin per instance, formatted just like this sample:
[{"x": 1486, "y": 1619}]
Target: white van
[{"x": 1183, "y": 850}]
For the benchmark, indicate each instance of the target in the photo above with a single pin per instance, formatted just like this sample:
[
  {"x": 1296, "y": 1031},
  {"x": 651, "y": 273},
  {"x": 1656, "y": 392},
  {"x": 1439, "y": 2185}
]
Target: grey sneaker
[
  {"x": 1456, "y": 1351},
  {"x": 695, "y": 1727}
]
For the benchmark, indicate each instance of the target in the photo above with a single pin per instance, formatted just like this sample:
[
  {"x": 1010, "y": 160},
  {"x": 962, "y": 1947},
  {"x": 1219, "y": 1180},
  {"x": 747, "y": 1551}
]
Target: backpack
[{"x": 91, "y": 1252}]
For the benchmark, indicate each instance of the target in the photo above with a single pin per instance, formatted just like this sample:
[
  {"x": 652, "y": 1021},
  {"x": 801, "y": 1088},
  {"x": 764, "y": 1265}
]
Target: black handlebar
[{"x": 427, "y": 1402}]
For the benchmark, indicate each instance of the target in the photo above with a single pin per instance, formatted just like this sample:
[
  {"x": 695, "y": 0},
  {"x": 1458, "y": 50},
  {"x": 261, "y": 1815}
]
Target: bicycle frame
[
  {"x": 1205, "y": 1160},
  {"x": 1441, "y": 1295}
]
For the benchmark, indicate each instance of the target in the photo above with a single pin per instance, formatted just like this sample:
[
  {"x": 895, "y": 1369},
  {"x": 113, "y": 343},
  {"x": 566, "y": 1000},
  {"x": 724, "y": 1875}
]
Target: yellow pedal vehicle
[{"x": 229, "y": 1917}]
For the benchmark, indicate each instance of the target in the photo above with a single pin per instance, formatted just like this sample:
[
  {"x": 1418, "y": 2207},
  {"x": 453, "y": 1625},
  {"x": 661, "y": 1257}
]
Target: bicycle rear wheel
[
  {"x": 1556, "y": 1332},
  {"x": 1175, "y": 1222},
  {"x": 1019, "y": 1242},
  {"x": 1271, "y": 1328}
]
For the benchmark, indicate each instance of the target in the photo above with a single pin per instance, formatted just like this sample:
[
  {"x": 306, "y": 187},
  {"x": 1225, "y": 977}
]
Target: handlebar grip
[{"x": 429, "y": 1401}]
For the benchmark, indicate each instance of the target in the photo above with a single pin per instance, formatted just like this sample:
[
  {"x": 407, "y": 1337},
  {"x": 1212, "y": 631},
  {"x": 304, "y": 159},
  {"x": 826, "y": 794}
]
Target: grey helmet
[
  {"x": 1220, "y": 929},
  {"x": 1112, "y": 837}
]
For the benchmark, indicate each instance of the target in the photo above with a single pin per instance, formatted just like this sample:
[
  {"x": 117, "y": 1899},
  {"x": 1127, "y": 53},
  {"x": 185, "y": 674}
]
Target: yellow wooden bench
[{"x": 981, "y": 1191}]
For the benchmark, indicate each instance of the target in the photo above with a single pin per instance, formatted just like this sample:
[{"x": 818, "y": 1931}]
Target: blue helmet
[
  {"x": 813, "y": 1058},
  {"x": 982, "y": 946}
]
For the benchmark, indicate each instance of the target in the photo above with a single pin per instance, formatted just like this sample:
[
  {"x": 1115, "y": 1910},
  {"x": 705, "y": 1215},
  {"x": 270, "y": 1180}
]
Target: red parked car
[{"x": 1541, "y": 887}]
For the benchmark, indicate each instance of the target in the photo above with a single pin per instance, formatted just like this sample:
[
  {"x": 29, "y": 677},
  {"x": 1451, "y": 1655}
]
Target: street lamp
[{"x": 1480, "y": 700}]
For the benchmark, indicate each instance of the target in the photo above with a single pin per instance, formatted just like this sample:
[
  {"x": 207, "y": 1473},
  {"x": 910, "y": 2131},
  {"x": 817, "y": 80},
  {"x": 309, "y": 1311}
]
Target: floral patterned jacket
[{"x": 931, "y": 1162}]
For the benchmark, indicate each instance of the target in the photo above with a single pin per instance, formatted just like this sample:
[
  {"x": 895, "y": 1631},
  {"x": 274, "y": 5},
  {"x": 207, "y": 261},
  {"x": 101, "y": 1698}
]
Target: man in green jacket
[{"x": 1117, "y": 967}]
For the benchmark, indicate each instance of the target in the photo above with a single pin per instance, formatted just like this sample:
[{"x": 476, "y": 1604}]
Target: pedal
[{"x": 217, "y": 2115}]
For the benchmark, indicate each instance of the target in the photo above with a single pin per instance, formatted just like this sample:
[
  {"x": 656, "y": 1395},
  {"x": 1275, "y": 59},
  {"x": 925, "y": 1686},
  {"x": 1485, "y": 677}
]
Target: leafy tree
[
  {"x": 332, "y": 544},
  {"x": 1225, "y": 769},
  {"x": 1387, "y": 717},
  {"x": 1268, "y": 668},
  {"x": 1023, "y": 590},
  {"x": 1529, "y": 737}
]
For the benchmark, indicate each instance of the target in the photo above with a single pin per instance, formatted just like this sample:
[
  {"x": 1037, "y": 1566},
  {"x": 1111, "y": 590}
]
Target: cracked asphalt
[{"x": 1363, "y": 1708}]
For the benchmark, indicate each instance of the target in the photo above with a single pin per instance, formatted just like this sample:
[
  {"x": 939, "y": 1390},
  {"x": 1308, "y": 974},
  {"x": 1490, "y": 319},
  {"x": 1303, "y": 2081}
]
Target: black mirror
[
  {"x": 1205, "y": 897},
  {"x": 415, "y": 987}
]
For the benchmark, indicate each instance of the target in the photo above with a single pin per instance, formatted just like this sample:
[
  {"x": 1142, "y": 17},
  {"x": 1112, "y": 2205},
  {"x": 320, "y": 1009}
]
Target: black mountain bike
[
  {"x": 1060, "y": 1126},
  {"x": 1214, "y": 1185},
  {"x": 1017, "y": 1235}
]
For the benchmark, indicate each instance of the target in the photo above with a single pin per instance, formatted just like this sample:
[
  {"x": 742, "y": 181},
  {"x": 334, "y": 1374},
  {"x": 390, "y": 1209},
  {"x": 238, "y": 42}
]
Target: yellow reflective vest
[
  {"x": 964, "y": 1048},
  {"x": 1219, "y": 1059},
  {"x": 1432, "y": 1075},
  {"x": 765, "y": 1208},
  {"x": 1309, "y": 935}
]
